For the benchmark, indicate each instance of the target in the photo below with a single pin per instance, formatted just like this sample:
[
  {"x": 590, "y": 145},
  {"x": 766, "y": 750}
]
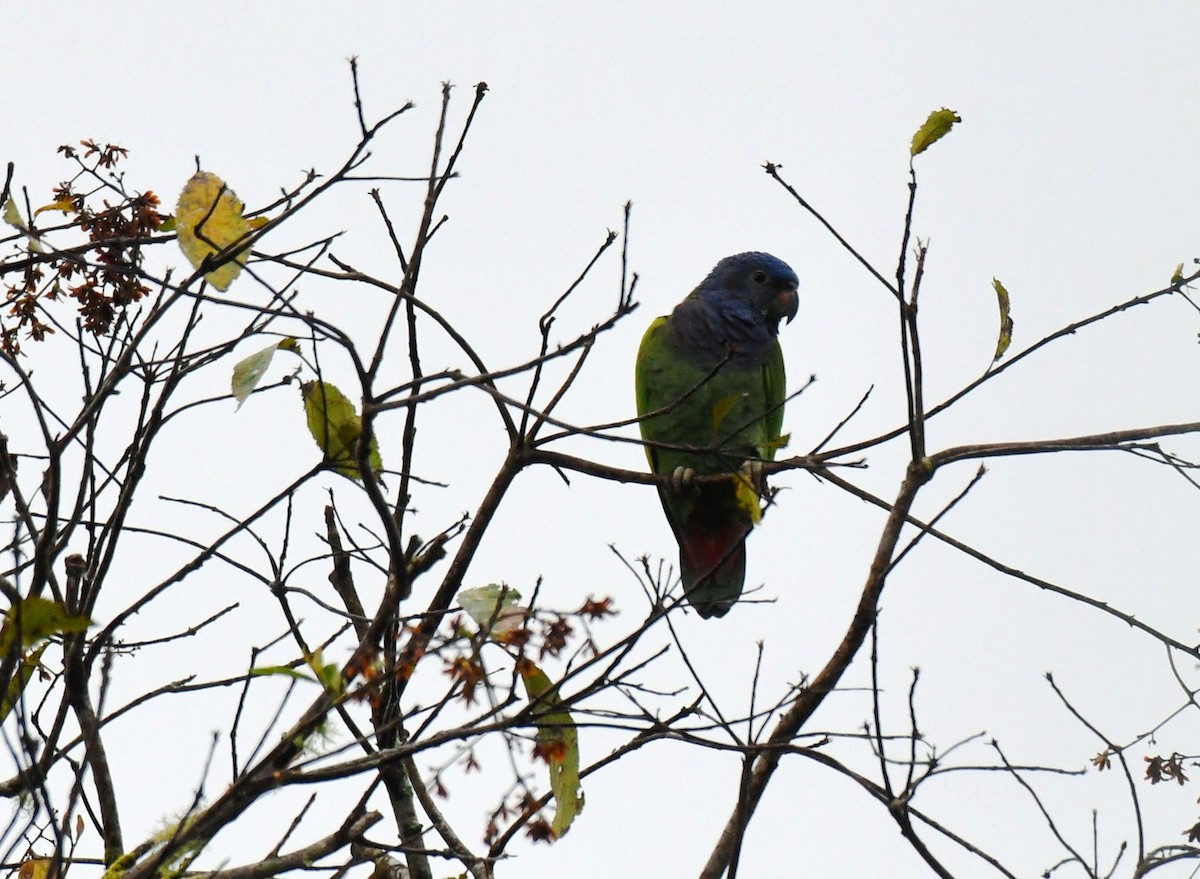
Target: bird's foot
[
  {"x": 682, "y": 479},
  {"x": 752, "y": 471}
]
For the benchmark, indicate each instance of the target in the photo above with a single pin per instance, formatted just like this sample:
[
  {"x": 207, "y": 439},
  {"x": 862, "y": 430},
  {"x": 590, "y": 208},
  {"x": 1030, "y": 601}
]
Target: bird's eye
[{"x": 760, "y": 277}]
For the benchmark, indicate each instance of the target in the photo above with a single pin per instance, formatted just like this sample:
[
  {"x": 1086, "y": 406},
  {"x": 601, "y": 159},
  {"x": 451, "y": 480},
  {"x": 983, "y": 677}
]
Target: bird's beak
[{"x": 785, "y": 304}]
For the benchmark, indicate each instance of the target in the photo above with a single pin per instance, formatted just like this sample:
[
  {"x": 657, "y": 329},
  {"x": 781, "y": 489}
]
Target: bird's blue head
[
  {"x": 737, "y": 309},
  {"x": 763, "y": 283}
]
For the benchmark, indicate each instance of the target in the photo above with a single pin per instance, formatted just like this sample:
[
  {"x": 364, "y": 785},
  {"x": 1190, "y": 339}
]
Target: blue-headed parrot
[{"x": 710, "y": 394}]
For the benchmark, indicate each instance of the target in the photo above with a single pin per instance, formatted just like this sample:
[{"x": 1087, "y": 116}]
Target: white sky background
[{"x": 1072, "y": 178}]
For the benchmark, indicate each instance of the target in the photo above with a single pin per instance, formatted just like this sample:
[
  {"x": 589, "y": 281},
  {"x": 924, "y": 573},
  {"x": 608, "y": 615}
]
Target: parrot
[{"x": 710, "y": 388}]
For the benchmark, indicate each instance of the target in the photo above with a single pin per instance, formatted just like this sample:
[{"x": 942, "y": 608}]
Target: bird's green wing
[
  {"x": 671, "y": 384},
  {"x": 652, "y": 363},
  {"x": 775, "y": 392}
]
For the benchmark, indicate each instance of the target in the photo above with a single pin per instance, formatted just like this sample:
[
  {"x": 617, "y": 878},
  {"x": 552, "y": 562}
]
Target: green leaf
[
  {"x": 328, "y": 673},
  {"x": 285, "y": 671},
  {"x": 558, "y": 744},
  {"x": 36, "y": 619},
  {"x": 936, "y": 127},
  {"x": 493, "y": 605},
  {"x": 1006, "y": 321},
  {"x": 1178, "y": 276},
  {"x": 336, "y": 427},
  {"x": 249, "y": 371},
  {"x": 21, "y": 677}
]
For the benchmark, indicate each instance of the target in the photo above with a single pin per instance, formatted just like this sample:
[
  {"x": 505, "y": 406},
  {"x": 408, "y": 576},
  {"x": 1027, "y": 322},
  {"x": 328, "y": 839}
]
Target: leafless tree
[{"x": 117, "y": 371}]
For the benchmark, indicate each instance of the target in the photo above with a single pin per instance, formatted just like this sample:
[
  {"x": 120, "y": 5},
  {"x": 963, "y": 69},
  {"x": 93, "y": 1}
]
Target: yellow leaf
[
  {"x": 936, "y": 127},
  {"x": 336, "y": 427},
  {"x": 168, "y": 224},
  {"x": 1006, "y": 321},
  {"x": 558, "y": 744},
  {"x": 775, "y": 445},
  {"x": 12, "y": 216},
  {"x": 723, "y": 408},
  {"x": 35, "y": 619},
  {"x": 34, "y": 868},
  {"x": 1178, "y": 276},
  {"x": 747, "y": 494},
  {"x": 209, "y": 219},
  {"x": 21, "y": 676},
  {"x": 63, "y": 204},
  {"x": 258, "y": 222}
]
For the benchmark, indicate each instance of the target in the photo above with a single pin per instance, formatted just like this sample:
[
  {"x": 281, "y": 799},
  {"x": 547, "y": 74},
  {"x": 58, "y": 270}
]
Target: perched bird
[{"x": 710, "y": 392}]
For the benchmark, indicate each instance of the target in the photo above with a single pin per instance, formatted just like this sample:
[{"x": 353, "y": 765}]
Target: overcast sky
[{"x": 1072, "y": 178}]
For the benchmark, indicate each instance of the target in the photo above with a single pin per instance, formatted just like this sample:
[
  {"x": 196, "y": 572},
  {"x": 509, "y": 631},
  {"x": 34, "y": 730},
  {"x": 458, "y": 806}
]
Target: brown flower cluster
[{"x": 103, "y": 273}]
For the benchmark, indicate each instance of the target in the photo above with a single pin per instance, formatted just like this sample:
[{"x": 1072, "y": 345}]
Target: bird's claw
[
  {"x": 753, "y": 471},
  {"x": 682, "y": 479}
]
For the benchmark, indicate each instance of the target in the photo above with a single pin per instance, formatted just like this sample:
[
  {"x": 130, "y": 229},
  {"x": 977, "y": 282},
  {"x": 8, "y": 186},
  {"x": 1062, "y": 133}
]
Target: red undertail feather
[{"x": 713, "y": 565}]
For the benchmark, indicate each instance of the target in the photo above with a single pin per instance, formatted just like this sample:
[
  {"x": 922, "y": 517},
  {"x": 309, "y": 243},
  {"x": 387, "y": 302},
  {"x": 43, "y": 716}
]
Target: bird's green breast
[{"x": 725, "y": 415}]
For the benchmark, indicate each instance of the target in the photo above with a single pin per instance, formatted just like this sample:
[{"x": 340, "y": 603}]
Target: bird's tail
[{"x": 713, "y": 572}]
